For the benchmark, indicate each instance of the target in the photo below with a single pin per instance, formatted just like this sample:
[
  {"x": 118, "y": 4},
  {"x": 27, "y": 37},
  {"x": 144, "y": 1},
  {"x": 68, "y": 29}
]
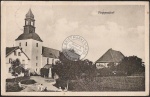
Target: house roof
[
  {"x": 10, "y": 50},
  {"x": 49, "y": 52},
  {"x": 47, "y": 66},
  {"x": 111, "y": 56},
  {"x": 29, "y": 36}
]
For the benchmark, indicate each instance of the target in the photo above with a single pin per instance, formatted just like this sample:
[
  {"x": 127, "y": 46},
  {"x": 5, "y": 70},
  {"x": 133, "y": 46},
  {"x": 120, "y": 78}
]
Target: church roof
[
  {"x": 10, "y": 50},
  {"x": 30, "y": 14},
  {"x": 49, "y": 52},
  {"x": 25, "y": 36},
  {"x": 47, "y": 66},
  {"x": 111, "y": 56}
]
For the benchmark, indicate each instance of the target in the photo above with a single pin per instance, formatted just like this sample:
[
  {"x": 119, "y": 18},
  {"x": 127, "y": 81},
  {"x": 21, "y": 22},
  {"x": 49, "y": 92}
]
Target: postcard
[{"x": 75, "y": 48}]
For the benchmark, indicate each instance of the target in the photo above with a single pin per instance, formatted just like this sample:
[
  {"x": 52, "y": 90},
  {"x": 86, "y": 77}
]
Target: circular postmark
[{"x": 75, "y": 47}]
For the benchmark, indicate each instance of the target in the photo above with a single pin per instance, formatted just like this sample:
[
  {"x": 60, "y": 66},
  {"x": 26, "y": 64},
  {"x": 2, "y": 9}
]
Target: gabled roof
[
  {"x": 111, "y": 56},
  {"x": 10, "y": 50},
  {"x": 33, "y": 36},
  {"x": 49, "y": 52},
  {"x": 47, "y": 66}
]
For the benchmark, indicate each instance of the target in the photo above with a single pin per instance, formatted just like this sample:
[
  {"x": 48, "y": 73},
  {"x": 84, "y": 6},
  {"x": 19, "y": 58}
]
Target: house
[
  {"x": 13, "y": 53},
  {"x": 111, "y": 56},
  {"x": 31, "y": 45}
]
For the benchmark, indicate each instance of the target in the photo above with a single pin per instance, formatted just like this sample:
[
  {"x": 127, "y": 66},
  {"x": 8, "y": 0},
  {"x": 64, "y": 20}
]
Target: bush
[
  {"x": 18, "y": 79},
  {"x": 29, "y": 81},
  {"x": 12, "y": 87}
]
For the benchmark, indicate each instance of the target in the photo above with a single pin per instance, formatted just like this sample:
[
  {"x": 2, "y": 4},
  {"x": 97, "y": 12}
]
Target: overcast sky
[{"x": 122, "y": 31}]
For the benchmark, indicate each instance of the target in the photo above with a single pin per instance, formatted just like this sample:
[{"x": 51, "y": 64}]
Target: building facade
[
  {"x": 31, "y": 43},
  {"x": 111, "y": 56}
]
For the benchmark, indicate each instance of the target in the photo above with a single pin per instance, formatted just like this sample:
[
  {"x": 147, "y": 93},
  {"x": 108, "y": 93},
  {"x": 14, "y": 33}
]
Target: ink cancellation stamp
[{"x": 75, "y": 48}]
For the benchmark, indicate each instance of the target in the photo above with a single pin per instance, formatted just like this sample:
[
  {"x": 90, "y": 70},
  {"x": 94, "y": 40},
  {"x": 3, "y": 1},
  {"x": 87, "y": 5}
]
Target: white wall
[
  {"x": 32, "y": 51},
  {"x": 101, "y": 65},
  {"x": 14, "y": 57},
  {"x": 44, "y": 61}
]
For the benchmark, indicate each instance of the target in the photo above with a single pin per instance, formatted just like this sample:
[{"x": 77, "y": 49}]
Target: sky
[{"x": 122, "y": 31}]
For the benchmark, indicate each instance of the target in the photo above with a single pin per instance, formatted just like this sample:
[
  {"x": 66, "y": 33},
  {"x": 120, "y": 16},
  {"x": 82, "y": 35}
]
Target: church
[{"x": 30, "y": 49}]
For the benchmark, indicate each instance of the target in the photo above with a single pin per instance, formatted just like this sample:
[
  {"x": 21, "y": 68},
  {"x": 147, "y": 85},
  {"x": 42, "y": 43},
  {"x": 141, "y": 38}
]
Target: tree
[
  {"x": 17, "y": 68},
  {"x": 131, "y": 64}
]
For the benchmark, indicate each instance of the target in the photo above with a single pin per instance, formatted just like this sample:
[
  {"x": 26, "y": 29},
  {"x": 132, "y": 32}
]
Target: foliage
[
  {"x": 18, "y": 79},
  {"x": 131, "y": 65},
  {"x": 68, "y": 70},
  {"x": 44, "y": 72},
  {"x": 28, "y": 81},
  {"x": 12, "y": 87},
  {"x": 16, "y": 67}
]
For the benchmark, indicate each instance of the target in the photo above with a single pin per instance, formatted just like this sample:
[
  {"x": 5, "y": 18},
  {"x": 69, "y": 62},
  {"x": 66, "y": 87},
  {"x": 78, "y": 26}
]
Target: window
[
  {"x": 15, "y": 53},
  {"x": 36, "y": 69},
  {"x": 36, "y": 57},
  {"x": 10, "y": 60},
  {"x": 26, "y": 43},
  {"x": 19, "y": 44},
  {"x": 36, "y": 64},
  {"x": 10, "y": 70},
  {"x": 32, "y": 23},
  {"x": 19, "y": 54},
  {"x": 36, "y": 44},
  {"x": 47, "y": 60}
]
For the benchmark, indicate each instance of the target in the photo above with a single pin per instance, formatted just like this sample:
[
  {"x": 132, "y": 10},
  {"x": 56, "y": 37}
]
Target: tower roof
[
  {"x": 33, "y": 36},
  {"x": 30, "y": 14},
  {"x": 111, "y": 56}
]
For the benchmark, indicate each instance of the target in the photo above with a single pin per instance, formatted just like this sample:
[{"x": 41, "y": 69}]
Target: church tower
[{"x": 31, "y": 43}]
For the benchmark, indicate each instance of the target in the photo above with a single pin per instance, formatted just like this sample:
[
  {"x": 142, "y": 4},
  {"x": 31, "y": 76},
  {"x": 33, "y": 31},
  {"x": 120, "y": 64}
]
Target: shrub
[
  {"x": 12, "y": 87},
  {"x": 29, "y": 81},
  {"x": 18, "y": 79}
]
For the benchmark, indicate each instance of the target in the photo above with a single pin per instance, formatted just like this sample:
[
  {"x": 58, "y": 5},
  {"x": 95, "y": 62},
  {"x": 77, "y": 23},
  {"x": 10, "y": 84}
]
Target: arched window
[{"x": 10, "y": 60}]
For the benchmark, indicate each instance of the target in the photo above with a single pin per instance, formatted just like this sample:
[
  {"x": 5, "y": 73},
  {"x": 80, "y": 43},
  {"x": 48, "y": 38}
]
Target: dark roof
[
  {"x": 10, "y": 50},
  {"x": 111, "y": 56},
  {"x": 29, "y": 36},
  {"x": 47, "y": 66},
  {"x": 30, "y": 14},
  {"x": 49, "y": 52}
]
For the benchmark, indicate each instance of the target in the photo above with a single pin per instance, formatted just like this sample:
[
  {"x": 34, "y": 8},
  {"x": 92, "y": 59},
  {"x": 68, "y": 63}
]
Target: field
[{"x": 124, "y": 83}]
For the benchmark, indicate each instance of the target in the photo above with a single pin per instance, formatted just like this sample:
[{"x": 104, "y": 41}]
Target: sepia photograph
[{"x": 74, "y": 48}]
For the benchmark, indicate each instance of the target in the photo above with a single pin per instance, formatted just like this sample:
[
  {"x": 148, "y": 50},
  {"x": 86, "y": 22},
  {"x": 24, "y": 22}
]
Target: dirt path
[{"x": 46, "y": 83}]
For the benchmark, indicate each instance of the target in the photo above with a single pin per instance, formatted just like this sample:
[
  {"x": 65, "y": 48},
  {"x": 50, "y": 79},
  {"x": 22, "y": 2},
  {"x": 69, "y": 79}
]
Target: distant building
[
  {"x": 31, "y": 44},
  {"x": 13, "y": 53},
  {"x": 111, "y": 56}
]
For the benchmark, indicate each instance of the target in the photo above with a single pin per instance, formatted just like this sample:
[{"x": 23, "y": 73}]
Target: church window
[
  {"x": 19, "y": 54},
  {"x": 36, "y": 69},
  {"x": 15, "y": 53},
  {"x": 19, "y": 44},
  {"x": 36, "y": 57},
  {"x": 10, "y": 60},
  {"x": 36, "y": 64},
  {"x": 36, "y": 44},
  {"x": 47, "y": 60},
  {"x": 26, "y": 43}
]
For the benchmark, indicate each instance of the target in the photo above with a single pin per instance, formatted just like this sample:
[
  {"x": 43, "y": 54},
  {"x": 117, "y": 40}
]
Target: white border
[{"x": 4, "y": 4}]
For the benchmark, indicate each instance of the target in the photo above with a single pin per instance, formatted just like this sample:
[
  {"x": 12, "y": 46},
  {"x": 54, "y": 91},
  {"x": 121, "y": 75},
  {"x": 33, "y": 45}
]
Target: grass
[
  {"x": 12, "y": 87},
  {"x": 12, "y": 84},
  {"x": 120, "y": 83}
]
